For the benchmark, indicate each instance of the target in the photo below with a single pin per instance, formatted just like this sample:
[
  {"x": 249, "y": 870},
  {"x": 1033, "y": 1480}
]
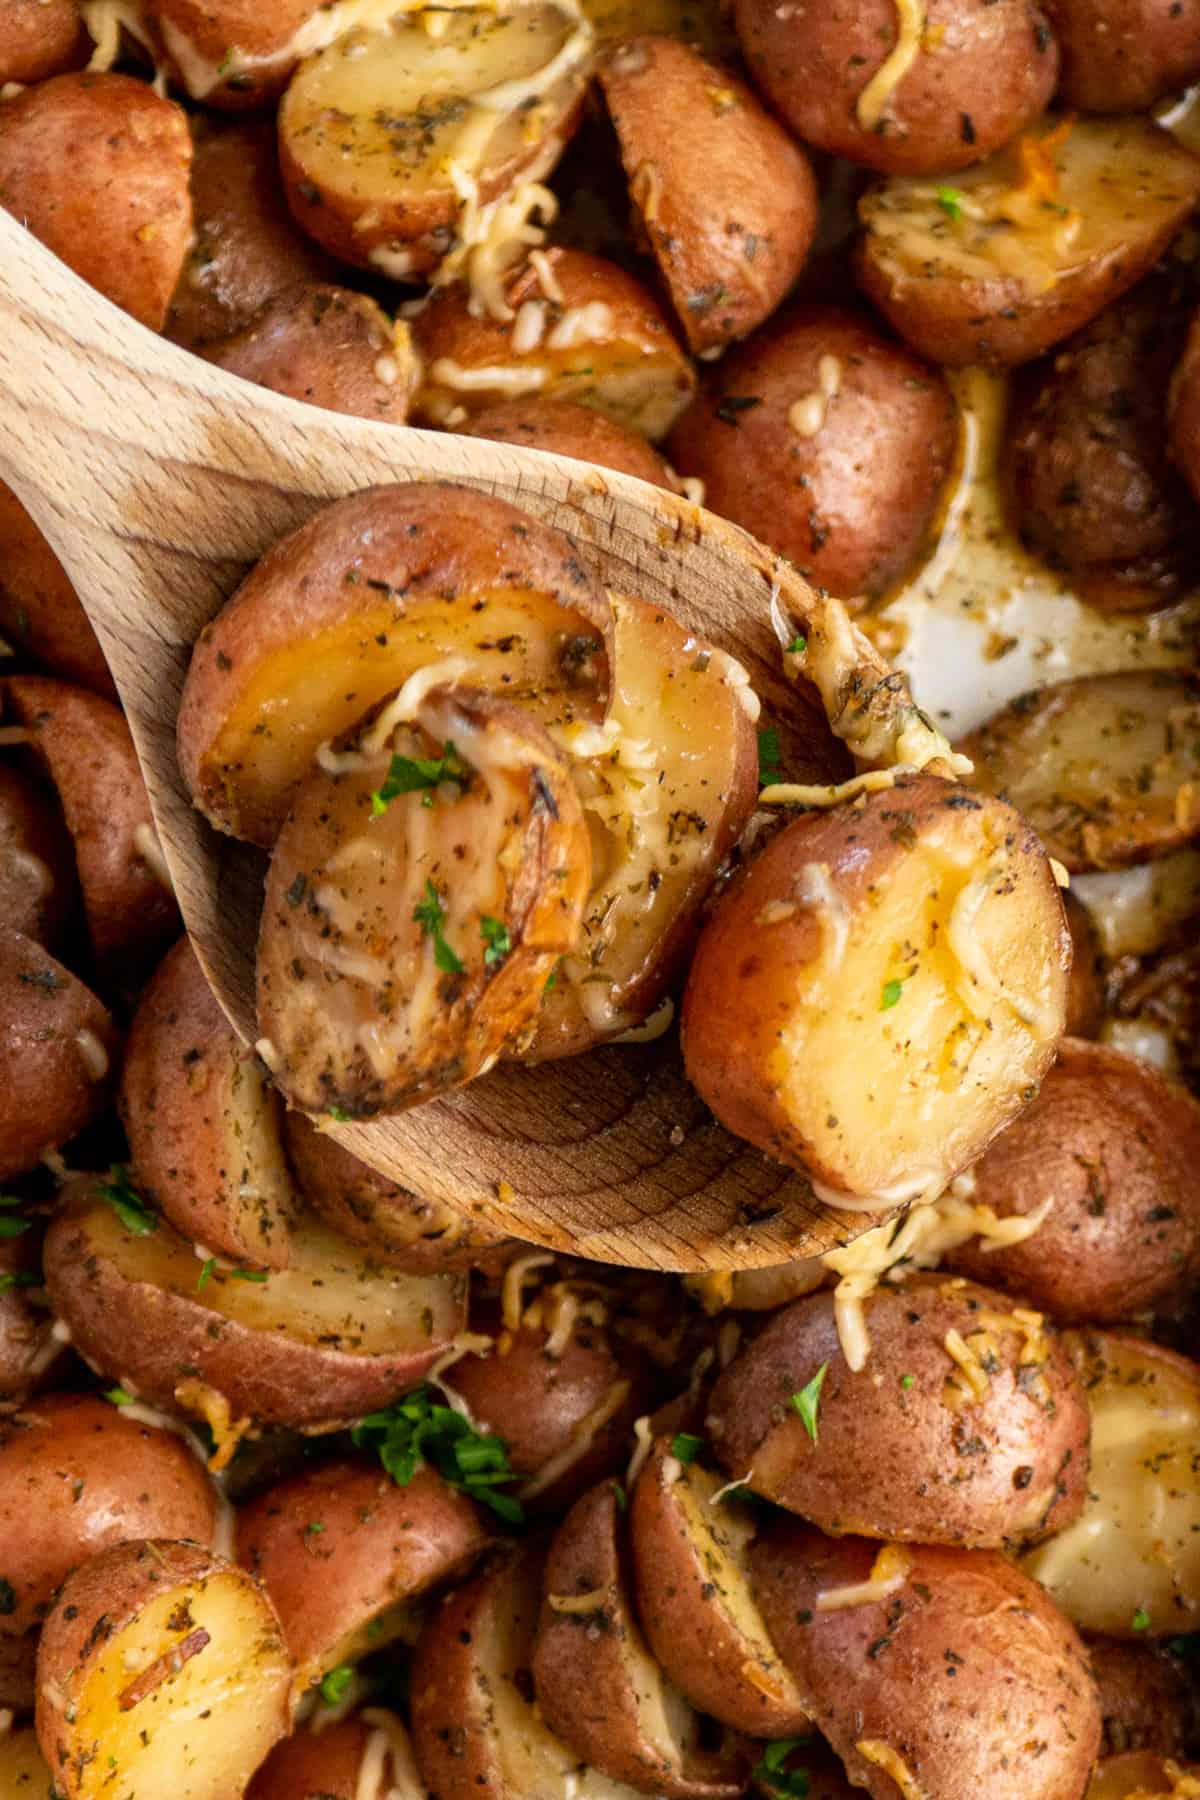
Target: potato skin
[
  {"x": 97, "y": 167},
  {"x": 877, "y": 1672},
  {"x": 37, "y": 877},
  {"x": 39, "y": 609},
  {"x": 329, "y": 347},
  {"x": 326, "y": 1764},
  {"x": 852, "y": 504},
  {"x": 1116, "y": 1145},
  {"x": 39, "y": 38},
  {"x": 915, "y": 1459},
  {"x": 50, "y": 1090},
  {"x": 77, "y": 1476},
  {"x": 1183, "y": 413},
  {"x": 985, "y": 69},
  {"x": 1147, "y": 1698},
  {"x": 209, "y": 29},
  {"x": 1086, "y": 998},
  {"x": 725, "y": 198},
  {"x": 564, "y": 429},
  {"x": 30, "y": 1355},
  {"x": 1121, "y": 56}
]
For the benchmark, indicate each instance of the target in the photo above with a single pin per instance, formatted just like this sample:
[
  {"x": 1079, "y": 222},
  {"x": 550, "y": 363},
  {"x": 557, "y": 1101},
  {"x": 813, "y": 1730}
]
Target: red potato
[
  {"x": 1142, "y": 1775},
  {"x": 97, "y": 167},
  {"x": 1086, "y": 995},
  {"x": 336, "y": 1761},
  {"x": 1120, "y": 56},
  {"x": 1147, "y": 1697},
  {"x": 235, "y": 54},
  {"x": 39, "y": 38},
  {"x": 344, "y": 610},
  {"x": 83, "y": 745},
  {"x": 906, "y": 93},
  {"x": 586, "y": 331},
  {"x": 39, "y": 610},
  {"x": 881, "y": 992},
  {"x": 827, "y": 441},
  {"x": 725, "y": 199},
  {"x": 146, "y": 1644},
  {"x": 30, "y": 1350},
  {"x": 870, "y": 1636},
  {"x": 203, "y": 1122},
  {"x": 58, "y": 1047},
  {"x": 1160, "y": 1001},
  {"x": 76, "y": 1476},
  {"x": 37, "y": 875},
  {"x": 342, "y": 1549},
  {"x": 564, "y": 428},
  {"x": 1183, "y": 409}
]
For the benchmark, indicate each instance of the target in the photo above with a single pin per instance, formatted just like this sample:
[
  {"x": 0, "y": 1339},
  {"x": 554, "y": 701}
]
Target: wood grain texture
[{"x": 158, "y": 479}]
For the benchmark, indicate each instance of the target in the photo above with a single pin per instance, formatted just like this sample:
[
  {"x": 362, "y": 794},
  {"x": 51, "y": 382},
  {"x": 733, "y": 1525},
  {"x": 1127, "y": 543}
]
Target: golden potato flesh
[
  {"x": 418, "y": 903},
  {"x": 882, "y": 991},
  {"x": 1143, "y": 1775}
]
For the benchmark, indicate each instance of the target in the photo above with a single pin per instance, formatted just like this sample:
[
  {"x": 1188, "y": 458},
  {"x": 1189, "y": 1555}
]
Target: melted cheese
[
  {"x": 643, "y": 1444},
  {"x": 889, "y": 1572},
  {"x": 512, "y": 1303},
  {"x": 105, "y": 20},
  {"x": 581, "y": 1441},
  {"x": 877, "y": 95},
  {"x": 874, "y": 1750},
  {"x": 92, "y": 1054},
  {"x": 792, "y": 793},
  {"x": 806, "y": 417},
  {"x": 145, "y": 842},
  {"x": 404, "y": 1780},
  {"x": 982, "y": 987}
]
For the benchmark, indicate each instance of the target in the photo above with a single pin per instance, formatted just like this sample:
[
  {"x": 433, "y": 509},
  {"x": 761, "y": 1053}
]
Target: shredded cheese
[
  {"x": 215, "y": 1410},
  {"x": 889, "y": 1572},
  {"x": 806, "y": 417},
  {"x": 877, "y": 95},
  {"x": 512, "y": 1294},
  {"x": 581, "y": 1441},
  {"x": 643, "y": 1444},
  {"x": 731, "y": 1487},
  {"x": 404, "y": 1780},
  {"x": 577, "y": 1603},
  {"x": 145, "y": 842},
  {"x": 791, "y": 793},
  {"x": 873, "y": 1750}
]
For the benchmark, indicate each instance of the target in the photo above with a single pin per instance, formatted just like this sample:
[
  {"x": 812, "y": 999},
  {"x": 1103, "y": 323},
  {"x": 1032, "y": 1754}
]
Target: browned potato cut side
[
  {"x": 1147, "y": 1697},
  {"x": 237, "y": 53},
  {"x": 344, "y": 610},
  {"x": 668, "y": 784},
  {"x": 869, "y": 1634},
  {"x": 37, "y": 876},
  {"x": 148, "y": 1644},
  {"x": 874, "y": 1000},
  {"x": 1142, "y": 1775},
  {"x": 419, "y": 898},
  {"x": 1130, "y": 1564},
  {"x": 39, "y": 38},
  {"x": 564, "y": 428},
  {"x": 329, "y": 1338},
  {"x": 597, "y": 1684},
  {"x": 1109, "y": 1153},
  {"x": 695, "y": 1603},
  {"x": 997, "y": 277},
  {"x": 203, "y": 1121},
  {"x": 724, "y": 197},
  {"x": 338, "y": 1760},
  {"x": 39, "y": 610},
  {"x": 576, "y": 328},
  {"x": 58, "y": 1047},
  {"x": 1106, "y": 768},
  {"x": 97, "y": 167},
  {"x": 1120, "y": 56}
]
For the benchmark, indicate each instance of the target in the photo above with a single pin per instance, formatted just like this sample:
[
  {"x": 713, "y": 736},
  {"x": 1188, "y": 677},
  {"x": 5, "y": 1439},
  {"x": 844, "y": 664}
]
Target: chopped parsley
[
  {"x": 906, "y": 1381},
  {"x": 621, "y": 1497},
  {"x": 495, "y": 935},
  {"x": 1140, "y": 1620},
  {"x": 772, "y": 1775},
  {"x": 797, "y": 647},
  {"x": 23, "y": 1278},
  {"x": 119, "y": 1396},
  {"x": 890, "y": 995},
  {"x": 205, "y": 1273},
  {"x": 686, "y": 1447},
  {"x": 419, "y": 1430},
  {"x": 411, "y": 774},
  {"x": 335, "y": 1683},
  {"x": 248, "y": 1274},
  {"x": 430, "y": 915},
  {"x": 10, "y": 1227},
  {"x": 950, "y": 201},
  {"x": 126, "y": 1202},
  {"x": 768, "y": 757},
  {"x": 807, "y": 1401},
  {"x": 339, "y": 1115}
]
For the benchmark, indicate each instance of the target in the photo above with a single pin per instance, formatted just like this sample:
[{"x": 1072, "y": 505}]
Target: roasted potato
[
  {"x": 1011, "y": 257},
  {"x": 909, "y": 953},
  {"x": 598, "y": 1686},
  {"x": 341, "y": 1550},
  {"x": 1130, "y": 1564},
  {"x": 58, "y": 1047},
  {"x": 97, "y": 167},
  {"x": 1086, "y": 994},
  {"x": 1120, "y": 56},
  {"x": 150, "y": 1646},
  {"x": 39, "y": 38},
  {"x": 967, "y": 1426},
  {"x": 566, "y": 429},
  {"x": 871, "y": 1635},
  {"x": 77, "y": 1476},
  {"x": 330, "y": 1337},
  {"x": 203, "y": 1122},
  {"x": 39, "y": 610},
  {"x": 725, "y": 199},
  {"x": 341, "y": 613},
  {"x": 1141, "y": 1775},
  {"x": 236, "y": 53},
  {"x": 37, "y": 875},
  {"x": 32, "y": 1346},
  {"x": 1157, "y": 1007},
  {"x": 1141, "y": 910},
  {"x": 24, "y": 1772},
  {"x": 1106, "y": 1152},
  {"x": 335, "y": 1761},
  {"x": 695, "y": 1603},
  {"x": 1148, "y": 1698},
  {"x": 1183, "y": 409},
  {"x": 827, "y": 441},
  {"x": 1106, "y": 768},
  {"x": 573, "y": 327}
]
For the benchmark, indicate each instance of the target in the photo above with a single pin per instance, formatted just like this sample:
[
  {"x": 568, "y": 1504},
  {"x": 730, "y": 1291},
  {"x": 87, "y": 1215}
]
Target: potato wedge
[
  {"x": 874, "y": 1000},
  {"x": 566, "y": 429},
  {"x": 1120, "y": 56},
  {"x": 330, "y": 1337},
  {"x": 597, "y": 1684},
  {"x": 204, "y": 1122},
  {"x": 870, "y": 1633},
  {"x": 39, "y": 38},
  {"x": 148, "y": 1642},
  {"x": 338, "y": 1761},
  {"x": 1106, "y": 768},
  {"x": 1130, "y": 1564},
  {"x": 341, "y": 613},
  {"x": 1142, "y": 1775},
  {"x": 39, "y": 610},
  {"x": 97, "y": 167},
  {"x": 1110, "y": 1152},
  {"x": 999, "y": 277},
  {"x": 58, "y": 1048},
  {"x": 76, "y": 1476},
  {"x": 418, "y": 902},
  {"x": 695, "y": 1604},
  {"x": 235, "y": 53},
  {"x": 37, "y": 874},
  {"x": 576, "y": 327},
  {"x": 1147, "y": 1697}
]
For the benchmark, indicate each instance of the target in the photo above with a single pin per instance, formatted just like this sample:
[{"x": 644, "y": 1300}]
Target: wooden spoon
[{"x": 158, "y": 479}]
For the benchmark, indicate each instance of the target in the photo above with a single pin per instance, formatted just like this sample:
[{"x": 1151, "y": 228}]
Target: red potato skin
[
  {"x": 30, "y": 1356},
  {"x": 326, "y": 346},
  {"x": 726, "y": 200},
  {"x": 77, "y": 1476},
  {"x": 35, "y": 901},
  {"x": 877, "y": 1672},
  {"x": 211, "y": 26},
  {"x": 97, "y": 167},
  {"x": 564, "y": 429},
  {"x": 319, "y": 1765},
  {"x": 39, "y": 609},
  {"x": 40, "y": 38},
  {"x": 49, "y": 1095},
  {"x": 1147, "y": 1698},
  {"x": 852, "y": 505},
  {"x": 985, "y": 70},
  {"x": 1117, "y": 1145},
  {"x": 18, "y": 1673},
  {"x": 1120, "y": 56},
  {"x": 1183, "y": 414}
]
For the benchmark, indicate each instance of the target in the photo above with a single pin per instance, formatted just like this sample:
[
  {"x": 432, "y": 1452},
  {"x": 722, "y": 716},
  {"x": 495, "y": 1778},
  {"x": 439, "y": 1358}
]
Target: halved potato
[
  {"x": 237, "y": 53},
  {"x": 429, "y": 877},
  {"x": 668, "y": 784},
  {"x": 39, "y": 38},
  {"x": 882, "y": 990},
  {"x": 695, "y": 1602},
  {"x": 1183, "y": 410},
  {"x": 1130, "y": 1564},
  {"x": 341, "y": 612},
  {"x": 997, "y": 263},
  {"x": 39, "y": 609},
  {"x": 564, "y": 428},
  {"x": 1122, "y": 55},
  {"x": 203, "y": 1121},
  {"x": 1106, "y": 768},
  {"x": 161, "y": 1670},
  {"x": 37, "y": 876},
  {"x": 597, "y": 1684},
  {"x": 395, "y": 142},
  {"x": 574, "y": 327},
  {"x": 1143, "y": 1775},
  {"x": 1148, "y": 1697},
  {"x": 338, "y": 1761},
  {"x": 332, "y": 1336},
  {"x": 1157, "y": 1008},
  {"x": 58, "y": 1049}
]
